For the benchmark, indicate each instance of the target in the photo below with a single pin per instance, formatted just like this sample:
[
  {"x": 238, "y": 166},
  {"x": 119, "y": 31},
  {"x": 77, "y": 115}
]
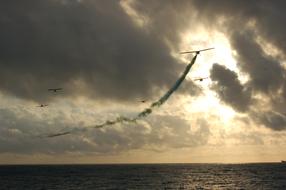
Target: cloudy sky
[{"x": 108, "y": 56}]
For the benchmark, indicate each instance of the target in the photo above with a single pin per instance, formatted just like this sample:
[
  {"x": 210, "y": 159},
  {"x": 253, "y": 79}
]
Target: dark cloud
[
  {"x": 229, "y": 88},
  {"x": 167, "y": 18},
  {"x": 272, "y": 120},
  {"x": 266, "y": 73},
  {"x": 91, "y": 48}
]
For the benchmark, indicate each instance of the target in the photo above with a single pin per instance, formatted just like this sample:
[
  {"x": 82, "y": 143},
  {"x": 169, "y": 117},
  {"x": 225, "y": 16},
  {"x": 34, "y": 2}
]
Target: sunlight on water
[{"x": 147, "y": 176}]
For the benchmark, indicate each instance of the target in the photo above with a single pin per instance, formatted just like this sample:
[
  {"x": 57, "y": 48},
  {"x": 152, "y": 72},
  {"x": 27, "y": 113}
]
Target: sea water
[{"x": 144, "y": 176}]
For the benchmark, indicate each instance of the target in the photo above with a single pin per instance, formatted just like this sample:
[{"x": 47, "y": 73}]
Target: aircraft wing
[
  {"x": 184, "y": 52},
  {"x": 202, "y": 78}
]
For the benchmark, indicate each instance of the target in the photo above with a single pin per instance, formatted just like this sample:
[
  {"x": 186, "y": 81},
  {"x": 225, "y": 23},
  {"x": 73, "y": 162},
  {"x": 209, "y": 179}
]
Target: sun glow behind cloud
[
  {"x": 201, "y": 39},
  {"x": 208, "y": 102}
]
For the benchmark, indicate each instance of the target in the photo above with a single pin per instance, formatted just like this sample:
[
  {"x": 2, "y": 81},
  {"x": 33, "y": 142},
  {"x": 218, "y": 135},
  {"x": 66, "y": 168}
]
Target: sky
[{"x": 108, "y": 56}]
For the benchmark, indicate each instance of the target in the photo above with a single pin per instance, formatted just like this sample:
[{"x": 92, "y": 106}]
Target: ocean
[{"x": 144, "y": 176}]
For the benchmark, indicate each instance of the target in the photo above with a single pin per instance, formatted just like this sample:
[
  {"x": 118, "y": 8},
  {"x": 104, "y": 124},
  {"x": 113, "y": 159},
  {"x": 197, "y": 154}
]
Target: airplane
[
  {"x": 200, "y": 79},
  {"x": 143, "y": 101},
  {"x": 43, "y": 105},
  {"x": 54, "y": 89},
  {"x": 58, "y": 134},
  {"x": 196, "y": 52}
]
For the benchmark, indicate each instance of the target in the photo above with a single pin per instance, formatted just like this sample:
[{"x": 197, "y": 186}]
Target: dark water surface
[{"x": 144, "y": 176}]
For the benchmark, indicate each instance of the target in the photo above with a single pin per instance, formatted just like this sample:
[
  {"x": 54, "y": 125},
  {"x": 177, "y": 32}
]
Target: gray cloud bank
[
  {"x": 170, "y": 132},
  {"x": 90, "y": 48}
]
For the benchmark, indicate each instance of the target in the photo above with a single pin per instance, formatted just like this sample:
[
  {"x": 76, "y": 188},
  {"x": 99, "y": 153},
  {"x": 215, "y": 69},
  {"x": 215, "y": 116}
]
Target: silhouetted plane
[
  {"x": 43, "y": 105},
  {"x": 58, "y": 134},
  {"x": 143, "y": 101},
  {"x": 54, "y": 89},
  {"x": 196, "y": 52},
  {"x": 200, "y": 79}
]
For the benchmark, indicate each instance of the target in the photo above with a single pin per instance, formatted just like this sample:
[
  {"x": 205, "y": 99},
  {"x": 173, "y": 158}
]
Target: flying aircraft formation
[{"x": 144, "y": 113}]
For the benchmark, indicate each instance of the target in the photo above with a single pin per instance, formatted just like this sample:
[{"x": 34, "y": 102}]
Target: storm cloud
[
  {"x": 229, "y": 88},
  {"x": 90, "y": 48}
]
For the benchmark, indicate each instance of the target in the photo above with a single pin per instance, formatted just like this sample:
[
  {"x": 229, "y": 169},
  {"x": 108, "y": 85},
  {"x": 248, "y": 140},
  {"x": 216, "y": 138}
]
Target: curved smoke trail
[{"x": 140, "y": 115}]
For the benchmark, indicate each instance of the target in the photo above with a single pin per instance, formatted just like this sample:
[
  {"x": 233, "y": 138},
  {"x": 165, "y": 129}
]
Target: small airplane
[
  {"x": 196, "y": 52},
  {"x": 43, "y": 105},
  {"x": 58, "y": 134},
  {"x": 200, "y": 79},
  {"x": 143, "y": 101},
  {"x": 54, "y": 89}
]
